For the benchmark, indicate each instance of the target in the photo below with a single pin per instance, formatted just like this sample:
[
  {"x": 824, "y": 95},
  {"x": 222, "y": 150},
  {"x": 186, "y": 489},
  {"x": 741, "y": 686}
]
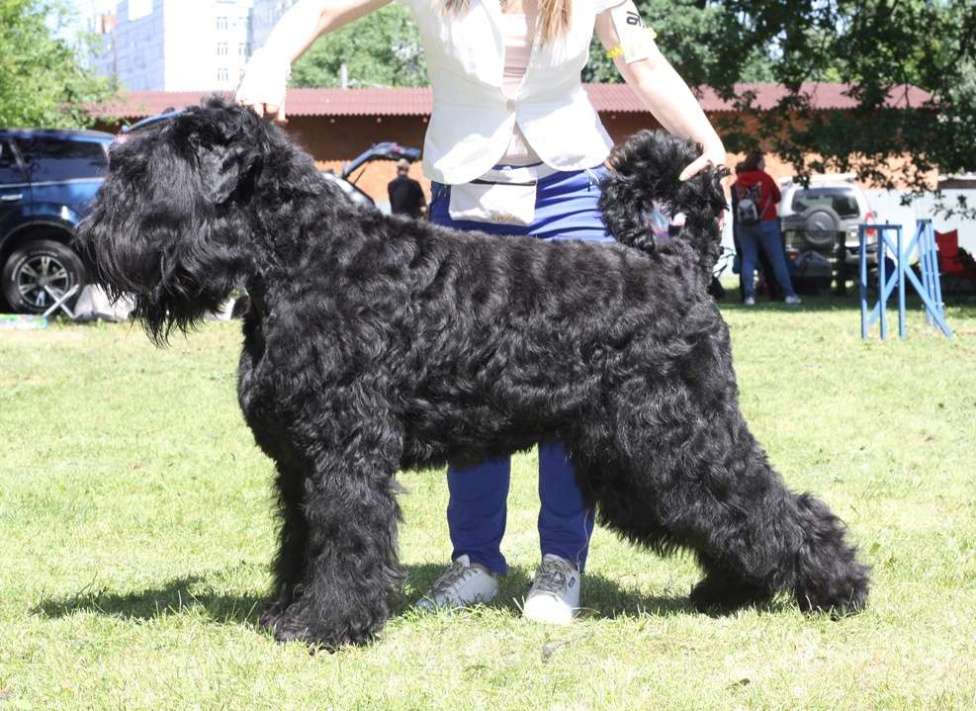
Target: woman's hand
[
  {"x": 711, "y": 157},
  {"x": 263, "y": 86},
  {"x": 266, "y": 76}
]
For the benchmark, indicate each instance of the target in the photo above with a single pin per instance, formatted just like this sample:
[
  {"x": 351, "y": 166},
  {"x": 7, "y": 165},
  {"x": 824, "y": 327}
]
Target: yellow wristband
[{"x": 618, "y": 50}]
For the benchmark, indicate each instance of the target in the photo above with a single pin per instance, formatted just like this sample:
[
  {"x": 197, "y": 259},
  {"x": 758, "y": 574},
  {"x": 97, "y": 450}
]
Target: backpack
[{"x": 747, "y": 208}]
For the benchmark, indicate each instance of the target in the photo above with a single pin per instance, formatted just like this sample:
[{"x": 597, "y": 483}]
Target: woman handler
[{"x": 514, "y": 147}]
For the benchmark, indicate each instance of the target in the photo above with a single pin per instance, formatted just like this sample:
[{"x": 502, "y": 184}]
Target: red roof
[{"x": 607, "y": 98}]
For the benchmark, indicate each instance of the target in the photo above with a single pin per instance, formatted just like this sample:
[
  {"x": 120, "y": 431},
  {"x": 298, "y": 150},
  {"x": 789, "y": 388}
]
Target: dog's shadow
[
  {"x": 191, "y": 592},
  {"x": 601, "y": 598}
]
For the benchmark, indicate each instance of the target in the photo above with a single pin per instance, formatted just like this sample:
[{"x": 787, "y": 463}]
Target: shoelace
[
  {"x": 551, "y": 577},
  {"x": 450, "y": 577}
]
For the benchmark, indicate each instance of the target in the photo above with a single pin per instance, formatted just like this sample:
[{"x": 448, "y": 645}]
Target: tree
[
  {"x": 685, "y": 29},
  {"x": 872, "y": 45},
  {"x": 382, "y": 49},
  {"x": 41, "y": 81}
]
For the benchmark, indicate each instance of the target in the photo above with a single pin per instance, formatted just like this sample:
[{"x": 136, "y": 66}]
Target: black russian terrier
[{"x": 376, "y": 343}]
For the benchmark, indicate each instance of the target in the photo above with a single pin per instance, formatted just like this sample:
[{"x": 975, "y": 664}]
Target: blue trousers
[
  {"x": 765, "y": 236},
  {"x": 566, "y": 208}
]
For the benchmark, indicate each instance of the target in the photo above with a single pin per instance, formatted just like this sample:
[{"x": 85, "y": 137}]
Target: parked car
[
  {"x": 47, "y": 182},
  {"x": 350, "y": 190},
  {"x": 820, "y": 228},
  {"x": 386, "y": 150}
]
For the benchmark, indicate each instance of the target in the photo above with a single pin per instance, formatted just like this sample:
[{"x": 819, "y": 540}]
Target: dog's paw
[
  {"x": 270, "y": 616},
  {"x": 275, "y": 607},
  {"x": 720, "y": 596},
  {"x": 292, "y": 626},
  {"x": 838, "y": 596}
]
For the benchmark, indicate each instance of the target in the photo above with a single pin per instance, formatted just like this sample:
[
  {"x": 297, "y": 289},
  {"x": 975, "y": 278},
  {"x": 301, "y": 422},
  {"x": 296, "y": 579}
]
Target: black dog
[{"x": 376, "y": 343}]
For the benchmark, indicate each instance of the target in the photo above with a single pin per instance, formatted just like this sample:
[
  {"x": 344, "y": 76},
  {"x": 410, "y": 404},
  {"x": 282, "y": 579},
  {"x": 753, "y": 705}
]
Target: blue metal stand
[{"x": 930, "y": 288}]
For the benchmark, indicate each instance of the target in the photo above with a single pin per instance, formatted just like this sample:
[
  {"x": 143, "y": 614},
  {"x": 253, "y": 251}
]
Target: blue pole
[
  {"x": 925, "y": 264},
  {"x": 882, "y": 280},
  {"x": 936, "y": 278},
  {"x": 862, "y": 281},
  {"x": 902, "y": 265}
]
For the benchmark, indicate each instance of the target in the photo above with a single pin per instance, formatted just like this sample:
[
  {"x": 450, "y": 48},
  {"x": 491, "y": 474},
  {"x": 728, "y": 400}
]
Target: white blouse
[{"x": 478, "y": 107}]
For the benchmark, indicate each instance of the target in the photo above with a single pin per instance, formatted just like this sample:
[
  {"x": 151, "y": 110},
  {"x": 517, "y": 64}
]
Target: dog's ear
[
  {"x": 230, "y": 170},
  {"x": 226, "y": 142}
]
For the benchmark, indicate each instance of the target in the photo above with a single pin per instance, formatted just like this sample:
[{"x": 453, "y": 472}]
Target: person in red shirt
[{"x": 756, "y": 223}]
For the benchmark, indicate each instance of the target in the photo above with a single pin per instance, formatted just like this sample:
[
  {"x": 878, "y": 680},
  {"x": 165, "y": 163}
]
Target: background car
[
  {"x": 378, "y": 151},
  {"x": 47, "y": 181},
  {"x": 820, "y": 229}
]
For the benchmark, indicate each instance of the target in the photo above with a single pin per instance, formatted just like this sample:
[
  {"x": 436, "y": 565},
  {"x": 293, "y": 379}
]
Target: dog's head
[
  {"x": 177, "y": 222},
  {"x": 645, "y": 176}
]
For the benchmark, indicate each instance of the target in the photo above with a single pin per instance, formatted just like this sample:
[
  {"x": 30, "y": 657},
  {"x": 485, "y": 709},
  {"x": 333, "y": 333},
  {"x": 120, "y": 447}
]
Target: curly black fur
[{"x": 378, "y": 343}]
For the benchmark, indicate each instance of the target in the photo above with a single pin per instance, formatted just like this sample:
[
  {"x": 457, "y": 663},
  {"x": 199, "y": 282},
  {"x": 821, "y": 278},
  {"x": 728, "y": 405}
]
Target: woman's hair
[
  {"x": 553, "y": 21},
  {"x": 751, "y": 162}
]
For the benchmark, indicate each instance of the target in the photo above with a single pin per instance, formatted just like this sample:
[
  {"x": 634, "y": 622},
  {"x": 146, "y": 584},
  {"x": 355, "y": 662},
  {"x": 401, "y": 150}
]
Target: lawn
[{"x": 136, "y": 530}]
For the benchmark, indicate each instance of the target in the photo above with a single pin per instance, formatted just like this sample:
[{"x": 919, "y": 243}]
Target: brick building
[{"x": 335, "y": 125}]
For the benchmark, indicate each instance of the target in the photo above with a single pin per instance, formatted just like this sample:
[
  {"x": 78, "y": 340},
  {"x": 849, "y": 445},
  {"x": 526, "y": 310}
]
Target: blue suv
[{"x": 47, "y": 181}]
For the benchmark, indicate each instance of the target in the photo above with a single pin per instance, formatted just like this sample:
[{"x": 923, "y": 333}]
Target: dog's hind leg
[
  {"x": 351, "y": 569},
  {"x": 707, "y": 486},
  {"x": 754, "y": 537},
  {"x": 684, "y": 471}
]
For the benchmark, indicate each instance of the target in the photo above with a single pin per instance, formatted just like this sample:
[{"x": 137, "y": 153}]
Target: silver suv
[{"x": 820, "y": 224}]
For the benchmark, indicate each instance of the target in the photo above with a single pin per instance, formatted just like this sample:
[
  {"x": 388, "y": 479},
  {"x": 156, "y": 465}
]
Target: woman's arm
[
  {"x": 666, "y": 96},
  {"x": 263, "y": 85}
]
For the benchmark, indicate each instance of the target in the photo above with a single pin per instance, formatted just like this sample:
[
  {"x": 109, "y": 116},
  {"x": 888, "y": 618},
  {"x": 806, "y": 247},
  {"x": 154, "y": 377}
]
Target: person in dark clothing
[
  {"x": 406, "y": 195},
  {"x": 754, "y": 198}
]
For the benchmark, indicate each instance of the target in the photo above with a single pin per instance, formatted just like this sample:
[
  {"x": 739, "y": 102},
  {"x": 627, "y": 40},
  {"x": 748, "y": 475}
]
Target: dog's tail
[{"x": 644, "y": 179}]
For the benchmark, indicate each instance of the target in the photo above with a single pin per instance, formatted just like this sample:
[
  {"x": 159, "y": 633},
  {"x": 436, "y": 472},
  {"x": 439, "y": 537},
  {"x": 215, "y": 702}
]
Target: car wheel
[
  {"x": 820, "y": 227},
  {"x": 39, "y": 273}
]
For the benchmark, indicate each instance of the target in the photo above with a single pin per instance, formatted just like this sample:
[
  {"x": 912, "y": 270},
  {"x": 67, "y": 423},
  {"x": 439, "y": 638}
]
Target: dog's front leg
[
  {"x": 289, "y": 564},
  {"x": 351, "y": 566}
]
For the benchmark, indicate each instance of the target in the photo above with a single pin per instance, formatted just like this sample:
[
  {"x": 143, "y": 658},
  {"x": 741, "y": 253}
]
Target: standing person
[
  {"x": 514, "y": 147},
  {"x": 756, "y": 225},
  {"x": 765, "y": 268},
  {"x": 406, "y": 195}
]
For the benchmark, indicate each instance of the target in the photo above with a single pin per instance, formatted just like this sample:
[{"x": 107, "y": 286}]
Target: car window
[
  {"x": 56, "y": 159},
  {"x": 9, "y": 170},
  {"x": 840, "y": 200}
]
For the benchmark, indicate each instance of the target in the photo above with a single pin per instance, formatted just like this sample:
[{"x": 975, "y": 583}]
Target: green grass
[{"x": 136, "y": 530}]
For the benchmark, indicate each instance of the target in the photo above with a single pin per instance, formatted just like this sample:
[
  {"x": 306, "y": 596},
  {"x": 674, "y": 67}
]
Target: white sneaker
[
  {"x": 749, "y": 301},
  {"x": 463, "y": 583},
  {"x": 555, "y": 593},
  {"x": 793, "y": 300}
]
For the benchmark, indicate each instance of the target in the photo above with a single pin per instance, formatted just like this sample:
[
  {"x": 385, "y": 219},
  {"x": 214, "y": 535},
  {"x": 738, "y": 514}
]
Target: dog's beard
[
  {"x": 160, "y": 316},
  {"x": 177, "y": 271}
]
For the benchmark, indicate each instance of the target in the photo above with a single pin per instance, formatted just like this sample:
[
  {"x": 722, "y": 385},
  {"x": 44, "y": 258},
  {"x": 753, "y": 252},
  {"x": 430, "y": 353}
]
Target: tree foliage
[
  {"x": 382, "y": 49},
  {"x": 873, "y": 46},
  {"x": 42, "y": 83}
]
